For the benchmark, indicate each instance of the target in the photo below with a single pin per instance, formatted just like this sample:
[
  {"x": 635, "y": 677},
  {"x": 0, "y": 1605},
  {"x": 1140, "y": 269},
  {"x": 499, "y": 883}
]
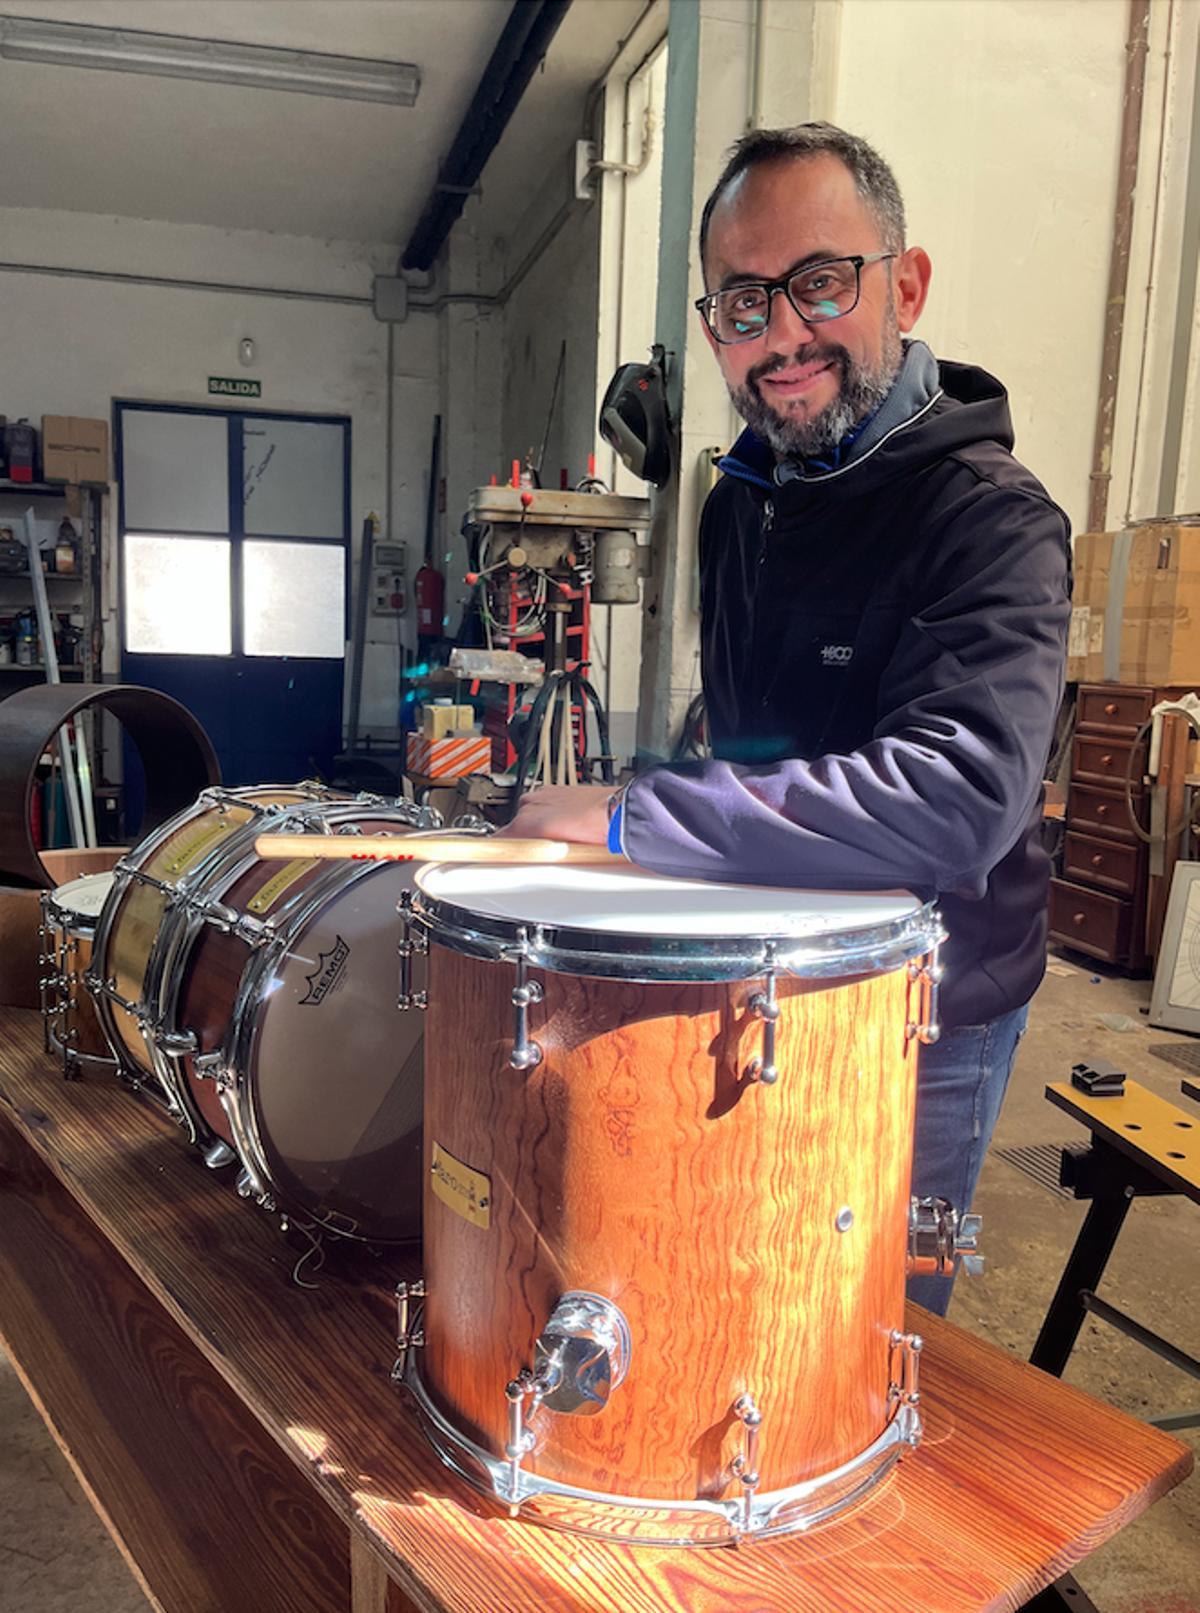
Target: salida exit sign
[{"x": 227, "y": 386}]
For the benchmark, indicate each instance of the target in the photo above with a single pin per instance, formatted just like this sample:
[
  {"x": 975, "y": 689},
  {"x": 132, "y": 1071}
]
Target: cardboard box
[
  {"x": 1136, "y": 611},
  {"x": 448, "y": 758},
  {"x": 74, "y": 450},
  {"x": 439, "y": 721}
]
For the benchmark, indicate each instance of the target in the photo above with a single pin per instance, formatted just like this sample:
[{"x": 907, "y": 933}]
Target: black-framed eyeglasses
[{"x": 818, "y": 292}]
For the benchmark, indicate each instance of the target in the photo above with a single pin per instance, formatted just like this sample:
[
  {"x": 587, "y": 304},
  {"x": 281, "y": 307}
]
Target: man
[{"x": 885, "y": 599}]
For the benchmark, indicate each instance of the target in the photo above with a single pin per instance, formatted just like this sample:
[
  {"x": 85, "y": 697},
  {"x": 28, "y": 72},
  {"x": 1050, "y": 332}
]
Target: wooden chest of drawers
[{"x": 1098, "y": 906}]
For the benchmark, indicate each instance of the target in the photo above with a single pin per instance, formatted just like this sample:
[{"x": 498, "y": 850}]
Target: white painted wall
[
  {"x": 1001, "y": 119},
  {"x": 1154, "y": 360},
  {"x": 555, "y": 303},
  {"x": 71, "y": 346}
]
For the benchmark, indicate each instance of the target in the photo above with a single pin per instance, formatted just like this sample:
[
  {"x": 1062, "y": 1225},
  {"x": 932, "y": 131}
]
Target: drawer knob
[
  {"x": 1097, "y": 859},
  {"x": 1106, "y": 761},
  {"x": 1102, "y": 811},
  {"x": 1111, "y": 708},
  {"x": 1078, "y": 918}
]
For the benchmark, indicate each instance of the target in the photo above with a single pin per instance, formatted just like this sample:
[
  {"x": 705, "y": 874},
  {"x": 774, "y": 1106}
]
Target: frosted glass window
[
  {"x": 177, "y": 599},
  {"x": 176, "y": 471},
  {"x": 294, "y": 597},
  {"x": 292, "y": 475}
]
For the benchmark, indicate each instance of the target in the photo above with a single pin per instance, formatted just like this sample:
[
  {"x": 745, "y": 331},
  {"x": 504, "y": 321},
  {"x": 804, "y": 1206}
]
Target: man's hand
[{"x": 577, "y": 812}]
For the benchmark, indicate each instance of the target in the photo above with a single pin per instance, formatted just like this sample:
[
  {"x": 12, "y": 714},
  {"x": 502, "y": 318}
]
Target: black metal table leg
[
  {"x": 1064, "y": 1594},
  {"x": 1084, "y": 1269}
]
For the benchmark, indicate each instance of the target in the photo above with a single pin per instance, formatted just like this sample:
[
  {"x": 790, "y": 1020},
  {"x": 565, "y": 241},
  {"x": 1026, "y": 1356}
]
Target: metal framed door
[{"x": 234, "y": 534}]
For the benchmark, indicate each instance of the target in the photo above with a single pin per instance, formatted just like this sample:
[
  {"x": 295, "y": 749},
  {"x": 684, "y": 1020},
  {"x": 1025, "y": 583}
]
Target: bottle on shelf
[
  {"x": 66, "y": 549},
  {"x": 67, "y": 639},
  {"x": 26, "y": 634}
]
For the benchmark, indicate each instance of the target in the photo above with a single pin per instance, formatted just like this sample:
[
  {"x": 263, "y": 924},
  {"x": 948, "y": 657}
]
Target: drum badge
[{"x": 330, "y": 968}]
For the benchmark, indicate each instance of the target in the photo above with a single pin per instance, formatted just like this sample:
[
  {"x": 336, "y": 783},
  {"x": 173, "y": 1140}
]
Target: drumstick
[{"x": 440, "y": 848}]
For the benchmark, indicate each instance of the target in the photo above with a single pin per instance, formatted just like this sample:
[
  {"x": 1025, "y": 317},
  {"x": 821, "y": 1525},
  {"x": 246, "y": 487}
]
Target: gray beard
[{"x": 862, "y": 389}]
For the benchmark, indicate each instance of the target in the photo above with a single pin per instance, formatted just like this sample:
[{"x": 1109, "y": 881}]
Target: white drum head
[
  {"x": 629, "y": 901},
  {"x": 83, "y": 897}
]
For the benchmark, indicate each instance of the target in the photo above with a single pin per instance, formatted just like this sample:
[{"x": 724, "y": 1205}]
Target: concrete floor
[{"x": 55, "y": 1555}]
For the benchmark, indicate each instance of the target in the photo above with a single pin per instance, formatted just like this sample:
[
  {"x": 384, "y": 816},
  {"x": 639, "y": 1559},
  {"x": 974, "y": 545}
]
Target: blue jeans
[{"x": 961, "y": 1081}]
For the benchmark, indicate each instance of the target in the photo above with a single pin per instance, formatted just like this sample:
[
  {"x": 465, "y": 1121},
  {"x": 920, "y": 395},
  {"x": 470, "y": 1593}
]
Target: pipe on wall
[
  {"x": 522, "y": 45},
  {"x": 117, "y": 278},
  {"x": 1136, "y": 50}
]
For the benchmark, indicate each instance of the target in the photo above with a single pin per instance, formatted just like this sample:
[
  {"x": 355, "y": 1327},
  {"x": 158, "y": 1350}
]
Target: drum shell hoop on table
[{"x": 639, "y": 1160}]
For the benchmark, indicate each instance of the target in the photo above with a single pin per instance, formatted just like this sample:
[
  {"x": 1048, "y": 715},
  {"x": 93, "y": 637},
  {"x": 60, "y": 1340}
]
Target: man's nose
[{"x": 786, "y": 331}]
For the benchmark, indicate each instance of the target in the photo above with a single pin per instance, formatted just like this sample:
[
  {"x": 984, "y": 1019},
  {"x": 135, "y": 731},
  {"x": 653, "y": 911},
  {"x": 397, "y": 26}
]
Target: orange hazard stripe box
[{"x": 448, "y": 758}]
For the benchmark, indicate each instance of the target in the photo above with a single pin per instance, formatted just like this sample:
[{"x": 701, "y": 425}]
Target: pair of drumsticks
[{"x": 422, "y": 846}]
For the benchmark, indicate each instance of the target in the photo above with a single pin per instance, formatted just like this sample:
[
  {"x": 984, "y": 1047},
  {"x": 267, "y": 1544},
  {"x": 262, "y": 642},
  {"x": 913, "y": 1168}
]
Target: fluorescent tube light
[{"x": 260, "y": 67}]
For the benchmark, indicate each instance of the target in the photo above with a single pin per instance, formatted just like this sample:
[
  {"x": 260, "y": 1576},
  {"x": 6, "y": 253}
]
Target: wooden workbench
[{"x": 239, "y": 1436}]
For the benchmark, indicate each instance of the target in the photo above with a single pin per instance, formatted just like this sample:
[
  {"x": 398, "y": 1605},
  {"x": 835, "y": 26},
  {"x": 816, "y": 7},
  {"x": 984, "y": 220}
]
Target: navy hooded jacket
[{"x": 883, "y": 649}]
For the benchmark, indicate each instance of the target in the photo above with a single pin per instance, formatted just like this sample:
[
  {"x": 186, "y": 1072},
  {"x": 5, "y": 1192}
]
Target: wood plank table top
[{"x": 1019, "y": 1476}]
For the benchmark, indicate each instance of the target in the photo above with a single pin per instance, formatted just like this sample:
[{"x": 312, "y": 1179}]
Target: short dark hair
[{"x": 874, "y": 180}]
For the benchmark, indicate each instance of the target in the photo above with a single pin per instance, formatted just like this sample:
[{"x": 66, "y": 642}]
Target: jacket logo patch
[
  {"x": 836, "y": 654},
  {"x": 327, "y": 974}
]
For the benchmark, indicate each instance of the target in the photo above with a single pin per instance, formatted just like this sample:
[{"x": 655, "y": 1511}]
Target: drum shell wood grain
[
  {"x": 142, "y": 909},
  {"x": 636, "y": 1161},
  {"x": 73, "y": 948}
]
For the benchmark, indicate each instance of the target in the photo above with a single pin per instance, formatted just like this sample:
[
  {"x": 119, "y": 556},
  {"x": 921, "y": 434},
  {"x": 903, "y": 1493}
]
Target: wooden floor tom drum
[{"x": 668, "y": 1139}]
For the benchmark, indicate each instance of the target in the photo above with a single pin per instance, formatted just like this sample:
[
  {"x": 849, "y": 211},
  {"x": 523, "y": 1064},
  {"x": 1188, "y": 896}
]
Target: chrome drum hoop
[
  {"x": 609, "y": 955},
  {"x": 350, "y": 809},
  {"x": 644, "y": 1522}
]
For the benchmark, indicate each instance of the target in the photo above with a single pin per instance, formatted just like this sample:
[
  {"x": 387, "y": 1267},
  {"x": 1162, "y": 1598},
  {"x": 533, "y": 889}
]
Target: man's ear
[{"x": 912, "y": 272}]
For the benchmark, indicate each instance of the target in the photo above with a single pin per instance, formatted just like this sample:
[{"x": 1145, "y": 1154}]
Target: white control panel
[{"x": 389, "y": 579}]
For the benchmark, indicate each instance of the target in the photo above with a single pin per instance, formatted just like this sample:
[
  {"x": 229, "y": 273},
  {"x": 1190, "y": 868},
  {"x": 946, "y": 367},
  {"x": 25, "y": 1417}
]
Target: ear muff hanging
[{"x": 635, "y": 422}]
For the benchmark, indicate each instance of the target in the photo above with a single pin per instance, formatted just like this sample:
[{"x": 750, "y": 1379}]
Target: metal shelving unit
[{"x": 90, "y": 524}]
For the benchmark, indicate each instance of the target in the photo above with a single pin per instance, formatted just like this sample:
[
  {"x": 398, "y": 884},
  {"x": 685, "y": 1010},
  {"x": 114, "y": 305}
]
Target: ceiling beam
[{"x": 519, "y": 52}]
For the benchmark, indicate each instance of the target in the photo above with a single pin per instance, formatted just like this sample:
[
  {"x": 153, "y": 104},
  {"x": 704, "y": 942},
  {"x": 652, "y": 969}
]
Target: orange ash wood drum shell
[{"x": 638, "y": 1161}]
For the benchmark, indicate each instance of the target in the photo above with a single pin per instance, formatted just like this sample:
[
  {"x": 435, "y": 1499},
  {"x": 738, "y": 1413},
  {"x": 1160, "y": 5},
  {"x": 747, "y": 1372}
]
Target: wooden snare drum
[
  {"x": 267, "y": 1008},
  {"x": 154, "y": 883},
  {"x": 279, "y": 1016},
  {"x": 668, "y": 1134},
  {"x": 72, "y": 1029}
]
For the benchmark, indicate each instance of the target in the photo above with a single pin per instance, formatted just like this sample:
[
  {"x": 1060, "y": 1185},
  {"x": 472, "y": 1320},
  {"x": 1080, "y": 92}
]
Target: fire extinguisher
[
  {"x": 429, "y": 586},
  {"x": 429, "y": 590}
]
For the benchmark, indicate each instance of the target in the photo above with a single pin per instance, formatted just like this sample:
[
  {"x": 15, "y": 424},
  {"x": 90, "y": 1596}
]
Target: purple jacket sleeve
[{"x": 948, "y": 780}]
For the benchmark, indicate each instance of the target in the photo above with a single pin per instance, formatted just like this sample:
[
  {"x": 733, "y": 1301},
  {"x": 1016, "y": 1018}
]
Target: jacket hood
[{"x": 970, "y": 407}]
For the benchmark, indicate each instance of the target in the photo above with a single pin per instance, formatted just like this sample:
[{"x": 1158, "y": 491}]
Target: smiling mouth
[{"x": 793, "y": 383}]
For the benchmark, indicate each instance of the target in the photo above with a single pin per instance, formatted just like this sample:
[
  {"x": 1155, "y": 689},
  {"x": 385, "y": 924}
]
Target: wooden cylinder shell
[
  {"x": 639, "y": 1162},
  {"x": 141, "y": 908},
  {"x": 72, "y": 951}
]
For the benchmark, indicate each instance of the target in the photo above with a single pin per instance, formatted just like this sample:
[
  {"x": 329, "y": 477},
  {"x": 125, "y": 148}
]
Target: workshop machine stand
[{"x": 239, "y": 1435}]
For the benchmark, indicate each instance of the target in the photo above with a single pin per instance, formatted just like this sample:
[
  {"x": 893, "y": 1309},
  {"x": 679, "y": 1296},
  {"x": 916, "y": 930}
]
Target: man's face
[{"x": 802, "y": 387}]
